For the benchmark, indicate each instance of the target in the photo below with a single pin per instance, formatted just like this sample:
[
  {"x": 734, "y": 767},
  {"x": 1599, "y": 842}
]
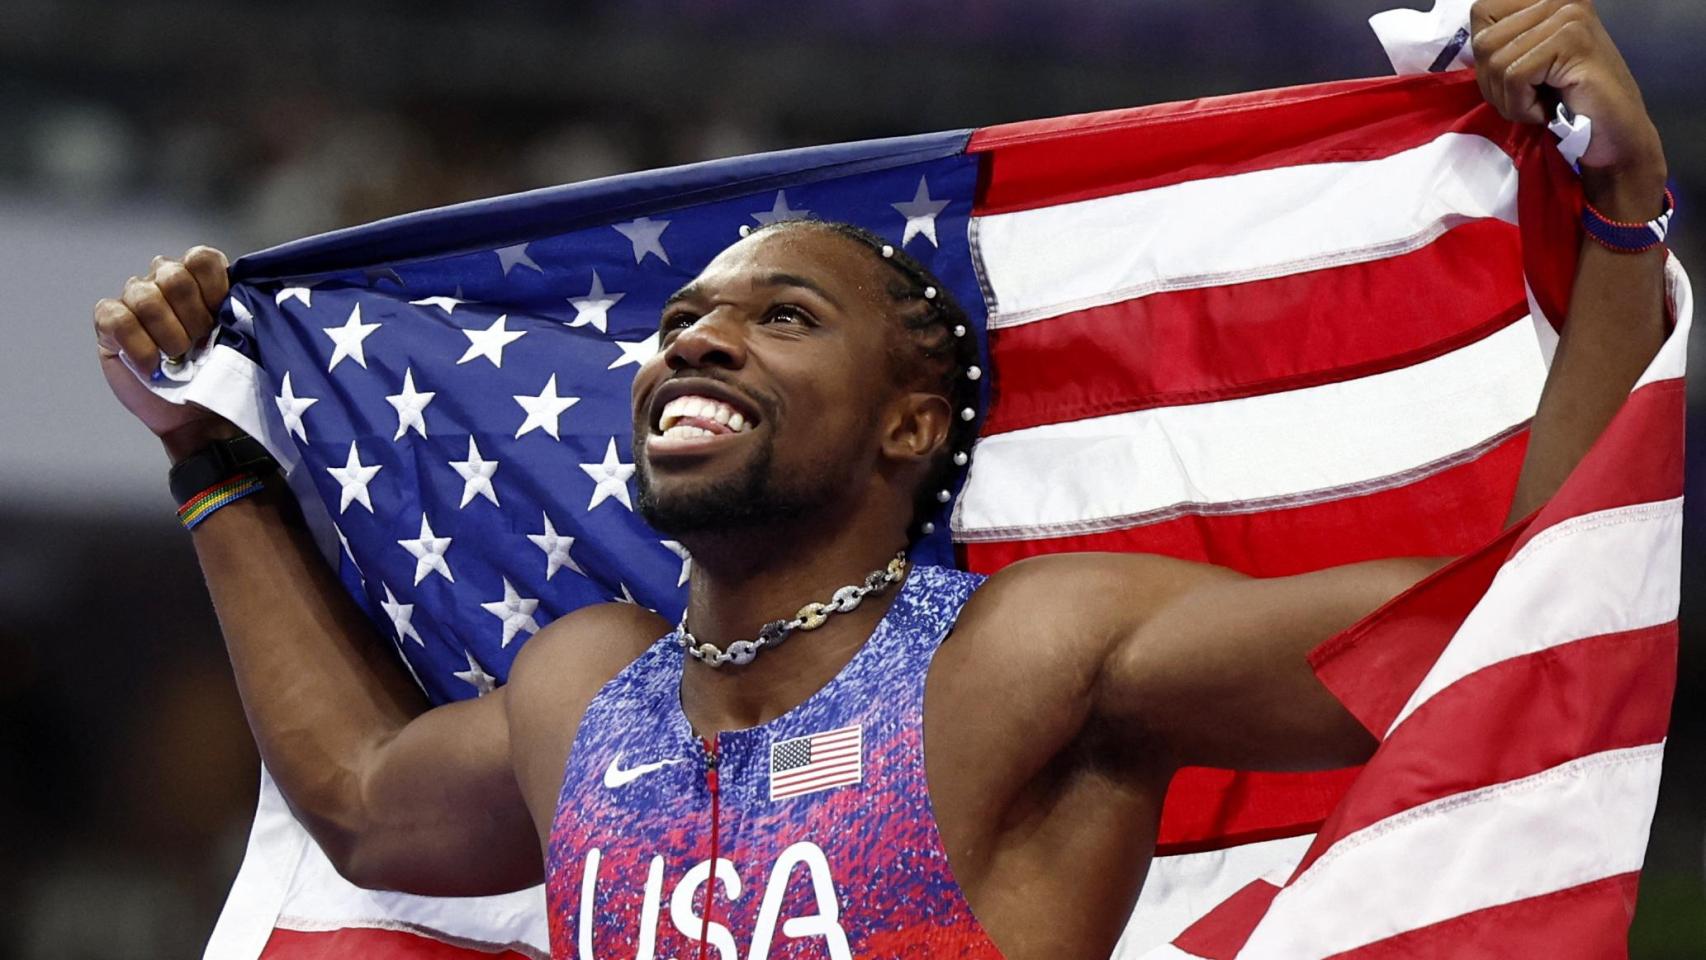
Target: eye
[
  {"x": 789, "y": 315},
  {"x": 677, "y": 321}
]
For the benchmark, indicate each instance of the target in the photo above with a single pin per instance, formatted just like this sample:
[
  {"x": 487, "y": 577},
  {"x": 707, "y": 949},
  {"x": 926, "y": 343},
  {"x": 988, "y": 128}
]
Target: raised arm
[
  {"x": 399, "y": 796},
  {"x": 1214, "y": 671}
]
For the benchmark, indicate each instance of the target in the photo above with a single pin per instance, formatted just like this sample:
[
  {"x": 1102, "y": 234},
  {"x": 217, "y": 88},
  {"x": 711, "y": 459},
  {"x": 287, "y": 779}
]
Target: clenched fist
[
  {"x": 166, "y": 312},
  {"x": 1523, "y": 45}
]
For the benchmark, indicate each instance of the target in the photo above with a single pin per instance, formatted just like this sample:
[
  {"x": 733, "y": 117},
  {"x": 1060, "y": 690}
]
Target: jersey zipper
[{"x": 716, "y": 804}]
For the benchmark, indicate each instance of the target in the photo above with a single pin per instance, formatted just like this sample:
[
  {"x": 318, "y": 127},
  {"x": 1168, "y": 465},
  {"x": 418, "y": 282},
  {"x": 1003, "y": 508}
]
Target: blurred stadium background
[{"x": 141, "y": 127}]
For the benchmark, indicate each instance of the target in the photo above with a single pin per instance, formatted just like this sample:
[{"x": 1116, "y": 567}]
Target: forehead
[{"x": 843, "y": 267}]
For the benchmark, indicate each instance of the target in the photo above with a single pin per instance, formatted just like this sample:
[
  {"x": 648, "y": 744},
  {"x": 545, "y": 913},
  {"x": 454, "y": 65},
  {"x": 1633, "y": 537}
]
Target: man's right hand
[{"x": 166, "y": 313}]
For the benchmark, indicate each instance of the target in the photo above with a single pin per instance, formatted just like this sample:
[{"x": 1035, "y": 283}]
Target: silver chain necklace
[{"x": 810, "y": 617}]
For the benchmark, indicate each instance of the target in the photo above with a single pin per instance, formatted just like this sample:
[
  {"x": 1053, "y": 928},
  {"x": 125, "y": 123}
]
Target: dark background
[{"x": 138, "y": 128}]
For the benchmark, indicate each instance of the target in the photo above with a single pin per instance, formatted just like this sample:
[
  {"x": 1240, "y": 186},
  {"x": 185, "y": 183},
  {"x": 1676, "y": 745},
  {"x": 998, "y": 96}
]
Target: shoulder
[
  {"x": 1094, "y": 594},
  {"x": 557, "y": 674},
  {"x": 582, "y": 650}
]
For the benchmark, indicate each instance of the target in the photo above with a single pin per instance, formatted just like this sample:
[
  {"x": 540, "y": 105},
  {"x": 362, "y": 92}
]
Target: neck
[{"x": 743, "y": 581}]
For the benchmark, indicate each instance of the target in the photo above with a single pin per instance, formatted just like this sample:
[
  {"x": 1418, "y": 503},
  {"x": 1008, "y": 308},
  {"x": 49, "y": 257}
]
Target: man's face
[{"x": 764, "y": 399}]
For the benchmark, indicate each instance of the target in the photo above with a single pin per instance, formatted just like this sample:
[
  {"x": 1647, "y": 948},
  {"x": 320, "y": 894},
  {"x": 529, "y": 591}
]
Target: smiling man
[{"x": 837, "y": 753}]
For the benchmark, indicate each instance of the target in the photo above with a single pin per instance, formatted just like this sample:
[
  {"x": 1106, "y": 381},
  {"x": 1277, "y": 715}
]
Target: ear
[{"x": 916, "y": 427}]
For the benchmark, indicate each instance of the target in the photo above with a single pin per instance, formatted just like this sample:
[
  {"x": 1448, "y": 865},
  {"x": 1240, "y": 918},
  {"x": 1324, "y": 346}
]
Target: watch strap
[{"x": 217, "y": 462}]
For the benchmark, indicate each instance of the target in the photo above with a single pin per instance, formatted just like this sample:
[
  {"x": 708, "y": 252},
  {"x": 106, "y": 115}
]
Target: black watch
[{"x": 217, "y": 462}]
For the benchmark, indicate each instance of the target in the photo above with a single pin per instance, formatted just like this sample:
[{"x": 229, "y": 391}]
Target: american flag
[
  {"x": 1277, "y": 331},
  {"x": 834, "y": 758}
]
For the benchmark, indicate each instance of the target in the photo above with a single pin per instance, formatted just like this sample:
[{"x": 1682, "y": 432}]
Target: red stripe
[
  {"x": 364, "y": 943},
  {"x": 1221, "y": 933},
  {"x": 1240, "y": 340},
  {"x": 1450, "y": 512},
  {"x": 1589, "y": 922},
  {"x": 1210, "y": 809},
  {"x": 795, "y": 789},
  {"x": 1374, "y": 666},
  {"x": 1044, "y": 162},
  {"x": 813, "y": 775},
  {"x": 1515, "y": 719}
]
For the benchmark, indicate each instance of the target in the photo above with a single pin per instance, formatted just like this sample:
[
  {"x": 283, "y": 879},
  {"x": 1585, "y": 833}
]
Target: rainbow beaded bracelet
[{"x": 224, "y": 493}]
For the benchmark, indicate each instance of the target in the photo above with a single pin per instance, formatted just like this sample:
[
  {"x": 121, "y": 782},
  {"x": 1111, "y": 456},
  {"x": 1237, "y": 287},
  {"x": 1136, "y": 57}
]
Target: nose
[{"x": 717, "y": 339}]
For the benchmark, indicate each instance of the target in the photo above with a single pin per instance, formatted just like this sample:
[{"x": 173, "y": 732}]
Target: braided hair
[{"x": 938, "y": 351}]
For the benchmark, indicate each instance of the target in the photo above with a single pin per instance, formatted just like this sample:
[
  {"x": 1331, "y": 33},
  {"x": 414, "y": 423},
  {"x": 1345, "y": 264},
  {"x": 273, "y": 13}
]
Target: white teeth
[{"x": 699, "y": 408}]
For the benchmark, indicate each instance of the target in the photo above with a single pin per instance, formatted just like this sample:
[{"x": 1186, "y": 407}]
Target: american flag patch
[{"x": 823, "y": 760}]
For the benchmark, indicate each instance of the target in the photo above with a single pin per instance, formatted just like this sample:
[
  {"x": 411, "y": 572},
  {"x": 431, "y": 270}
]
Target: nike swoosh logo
[{"x": 615, "y": 776}]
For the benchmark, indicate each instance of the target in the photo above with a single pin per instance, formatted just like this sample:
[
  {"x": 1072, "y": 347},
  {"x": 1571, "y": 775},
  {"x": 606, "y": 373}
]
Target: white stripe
[
  {"x": 1599, "y": 573},
  {"x": 1101, "y": 473},
  {"x": 1248, "y": 226},
  {"x": 1573, "y": 824},
  {"x": 1181, "y": 888},
  {"x": 1673, "y": 356},
  {"x": 1167, "y": 951}
]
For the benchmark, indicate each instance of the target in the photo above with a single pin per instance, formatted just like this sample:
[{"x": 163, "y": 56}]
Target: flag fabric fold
[{"x": 1277, "y": 331}]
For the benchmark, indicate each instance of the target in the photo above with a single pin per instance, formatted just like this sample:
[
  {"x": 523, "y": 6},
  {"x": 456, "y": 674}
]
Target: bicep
[
  {"x": 1217, "y": 674},
  {"x": 442, "y": 814}
]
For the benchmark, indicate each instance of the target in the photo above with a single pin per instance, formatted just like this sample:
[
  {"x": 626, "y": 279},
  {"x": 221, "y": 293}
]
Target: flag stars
[
  {"x": 490, "y": 342},
  {"x": 516, "y": 612},
  {"x": 594, "y": 308},
  {"x": 353, "y": 478},
  {"x": 291, "y": 407},
  {"x": 544, "y": 411},
  {"x": 476, "y": 676},
  {"x": 428, "y": 550},
  {"x": 346, "y": 340},
  {"x": 516, "y": 256},
  {"x": 410, "y": 406},
  {"x": 447, "y": 304},
  {"x": 556, "y": 547},
  {"x": 400, "y": 614},
  {"x": 302, "y": 295},
  {"x": 920, "y": 213},
  {"x": 780, "y": 211},
  {"x": 676, "y": 548},
  {"x": 646, "y": 235},
  {"x": 635, "y": 352},
  {"x": 476, "y": 473},
  {"x": 610, "y": 478}
]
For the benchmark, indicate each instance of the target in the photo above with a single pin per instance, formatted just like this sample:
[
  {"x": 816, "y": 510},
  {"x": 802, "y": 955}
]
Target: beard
[{"x": 752, "y": 497}]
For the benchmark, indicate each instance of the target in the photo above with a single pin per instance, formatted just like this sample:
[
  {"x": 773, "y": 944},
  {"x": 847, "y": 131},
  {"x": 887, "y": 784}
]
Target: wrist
[
  {"x": 189, "y": 439},
  {"x": 1632, "y": 194}
]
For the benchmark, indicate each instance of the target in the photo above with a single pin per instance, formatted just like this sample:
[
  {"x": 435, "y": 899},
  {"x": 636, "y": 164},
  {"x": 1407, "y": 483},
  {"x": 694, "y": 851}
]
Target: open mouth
[{"x": 702, "y": 411}]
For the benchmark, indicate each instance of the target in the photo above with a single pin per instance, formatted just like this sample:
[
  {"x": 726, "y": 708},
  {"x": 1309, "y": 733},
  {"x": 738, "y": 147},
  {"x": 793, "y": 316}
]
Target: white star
[
  {"x": 509, "y": 257},
  {"x": 556, "y": 547},
  {"x": 410, "y": 406},
  {"x": 400, "y": 614},
  {"x": 611, "y": 477},
  {"x": 447, "y": 304},
  {"x": 920, "y": 213},
  {"x": 353, "y": 478},
  {"x": 490, "y": 342},
  {"x": 627, "y": 596},
  {"x": 291, "y": 407},
  {"x": 516, "y": 611},
  {"x": 428, "y": 551},
  {"x": 594, "y": 308},
  {"x": 686, "y": 561},
  {"x": 293, "y": 293},
  {"x": 646, "y": 235},
  {"x": 476, "y": 473},
  {"x": 544, "y": 410},
  {"x": 635, "y": 352},
  {"x": 347, "y": 339},
  {"x": 476, "y": 676},
  {"x": 779, "y": 211}
]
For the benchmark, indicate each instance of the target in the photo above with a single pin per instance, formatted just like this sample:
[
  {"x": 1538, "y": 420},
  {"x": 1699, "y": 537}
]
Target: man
[{"x": 914, "y": 763}]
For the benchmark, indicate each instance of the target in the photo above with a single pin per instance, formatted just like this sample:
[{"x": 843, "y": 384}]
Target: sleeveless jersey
[{"x": 817, "y": 826}]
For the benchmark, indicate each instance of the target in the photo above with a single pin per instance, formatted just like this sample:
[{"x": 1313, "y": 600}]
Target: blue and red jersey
[{"x": 817, "y": 826}]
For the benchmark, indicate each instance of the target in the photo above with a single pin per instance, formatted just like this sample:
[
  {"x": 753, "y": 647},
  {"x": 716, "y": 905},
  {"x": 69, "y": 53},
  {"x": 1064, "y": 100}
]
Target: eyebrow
[{"x": 694, "y": 289}]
